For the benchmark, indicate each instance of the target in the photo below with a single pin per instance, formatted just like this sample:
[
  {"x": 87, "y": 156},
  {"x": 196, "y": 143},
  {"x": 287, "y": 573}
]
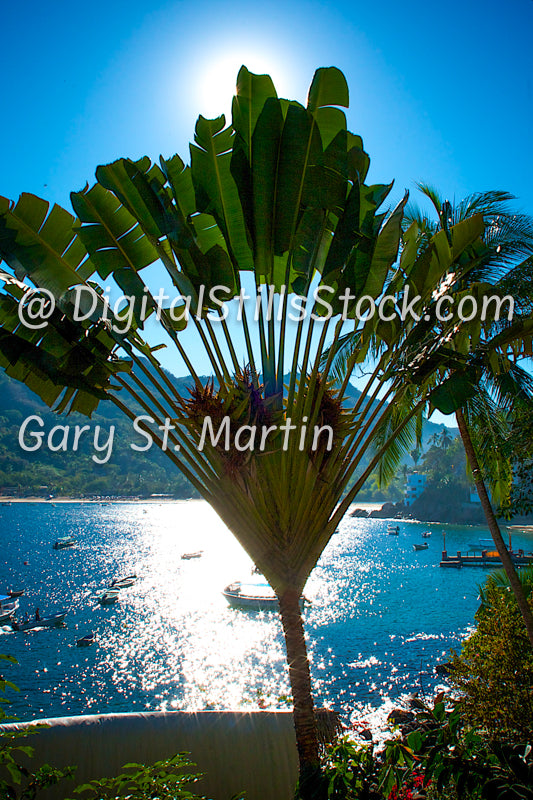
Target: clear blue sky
[{"x": 440, "y": 92}]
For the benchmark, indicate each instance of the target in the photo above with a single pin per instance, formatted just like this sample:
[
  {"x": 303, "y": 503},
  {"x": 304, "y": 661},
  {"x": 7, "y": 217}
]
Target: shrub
[
  {"x": 162, "y": 780},
  {"x": 494, "y": 671}
]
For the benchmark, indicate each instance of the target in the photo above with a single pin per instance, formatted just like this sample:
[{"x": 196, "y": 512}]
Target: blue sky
[{"x": 441, "y": 93}]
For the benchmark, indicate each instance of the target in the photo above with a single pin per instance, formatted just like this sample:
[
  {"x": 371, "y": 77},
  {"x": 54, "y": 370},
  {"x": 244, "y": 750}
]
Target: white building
[{"x": 415, "y": 485}]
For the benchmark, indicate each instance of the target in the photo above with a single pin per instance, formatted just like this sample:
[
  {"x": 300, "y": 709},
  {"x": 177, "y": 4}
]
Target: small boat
[
  {"x": 45, "y": 622},
  {"x": 8, "y": 606},
  {"x": 197, "y": 554},
  {"x": 426, "y": 534},
  {"x": 17, "y": 593},
  {"x": 253, "y": 596},
  {"x": 123, "y": 583},
  {"x": 393, "y": 530},
  {"x": 108, "y": 597},
  {"x": 87, "y": 640},
  {"x": 63, "y": 542},
  {"x": 6, "y": 616},
  {"x": 423, "y": 546}
]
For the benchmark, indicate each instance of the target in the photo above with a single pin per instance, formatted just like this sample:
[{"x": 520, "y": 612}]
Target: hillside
[{"x": 127, "y": 472}]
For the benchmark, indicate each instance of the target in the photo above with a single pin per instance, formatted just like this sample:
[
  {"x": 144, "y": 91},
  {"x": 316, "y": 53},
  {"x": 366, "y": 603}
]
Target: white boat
[
  {"x": 108, "y": 597},
  {"x": 253, "y": 596},
  {"x": 393, "y": 530},
  {"x": 8, "y": 606},
  {"x": 46, "y": 622},
  {"x": 197, "y": 554},
  {"x": 123, "y": 583},
  {"x": 63, "y": 542},
  {"x": 423, "y": 546},
  {"x": 426, "y": 534}
]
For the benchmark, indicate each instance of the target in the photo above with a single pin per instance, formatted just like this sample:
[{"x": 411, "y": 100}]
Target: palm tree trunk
[
  {"x": 494, "y": 528},
  {"x": 310, "y": 783}
]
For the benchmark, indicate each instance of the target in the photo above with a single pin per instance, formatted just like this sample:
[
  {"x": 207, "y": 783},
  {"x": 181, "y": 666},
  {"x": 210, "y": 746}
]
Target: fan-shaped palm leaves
[{"x": 276, "y": 200}]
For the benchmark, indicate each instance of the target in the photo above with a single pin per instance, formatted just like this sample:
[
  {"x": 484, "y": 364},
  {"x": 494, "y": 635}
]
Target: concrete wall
[{"x": 252, "y": 751}]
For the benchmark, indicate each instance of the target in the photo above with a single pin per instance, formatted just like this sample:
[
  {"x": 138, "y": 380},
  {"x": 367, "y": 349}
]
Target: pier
[{"x": 488, "y": 558}]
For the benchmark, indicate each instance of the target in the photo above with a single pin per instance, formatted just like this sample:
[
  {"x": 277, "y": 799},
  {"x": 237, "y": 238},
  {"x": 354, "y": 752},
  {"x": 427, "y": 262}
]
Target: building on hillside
[{"x": 414, "y": 486}]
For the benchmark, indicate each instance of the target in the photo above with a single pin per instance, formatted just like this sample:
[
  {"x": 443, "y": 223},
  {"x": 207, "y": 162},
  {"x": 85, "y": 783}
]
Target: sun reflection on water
[{"x": 379, "y": 616}]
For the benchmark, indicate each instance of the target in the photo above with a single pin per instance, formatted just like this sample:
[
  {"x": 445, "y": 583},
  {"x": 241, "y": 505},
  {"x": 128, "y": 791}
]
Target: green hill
[{"x": 75, "y": 473}]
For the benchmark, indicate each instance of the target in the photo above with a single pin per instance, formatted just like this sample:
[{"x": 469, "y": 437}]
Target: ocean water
[{"x": 381, "y": 615}]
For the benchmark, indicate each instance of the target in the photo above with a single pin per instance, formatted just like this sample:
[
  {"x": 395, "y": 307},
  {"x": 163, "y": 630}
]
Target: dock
[{"x": 488, "y": 559}]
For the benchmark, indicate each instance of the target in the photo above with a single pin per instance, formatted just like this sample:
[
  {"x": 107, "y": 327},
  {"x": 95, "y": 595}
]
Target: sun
[{"x": 216, "y": 81}]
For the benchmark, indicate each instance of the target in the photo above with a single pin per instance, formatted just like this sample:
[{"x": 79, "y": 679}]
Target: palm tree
[
  {"x": 274, "y": 205},
  {"x": 503, "y": 261},
  {"x": 445, "y": 438}
]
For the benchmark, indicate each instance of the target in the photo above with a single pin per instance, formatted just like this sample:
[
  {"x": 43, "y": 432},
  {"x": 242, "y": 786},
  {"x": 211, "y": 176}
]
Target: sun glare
[{"x": 217, "y": 80}]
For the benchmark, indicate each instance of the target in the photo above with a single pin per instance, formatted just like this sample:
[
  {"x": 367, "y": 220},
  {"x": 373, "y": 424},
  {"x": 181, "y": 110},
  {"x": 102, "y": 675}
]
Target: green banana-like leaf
[
  {"x": 216, "y": 192},
  {"x": 110, "y": 233},
  {"x": 300, "y": 149},
  {"x": 251, "y": 94},
  {"x": 328, "y": 89},
  {"x": 42, "y": 244}
]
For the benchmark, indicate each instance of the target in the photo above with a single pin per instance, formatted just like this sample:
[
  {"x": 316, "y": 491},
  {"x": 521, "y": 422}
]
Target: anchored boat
[
  {"x": 123, "y": 583},
  {"x": 45, "y": 622},
  {"x": 64, "y": 542},
  {"x": 108, "y": 597},
  {"x": 8, "y": 606},
  {"x": 253, "y": 596},
  {"x": 87, "y": 640}
]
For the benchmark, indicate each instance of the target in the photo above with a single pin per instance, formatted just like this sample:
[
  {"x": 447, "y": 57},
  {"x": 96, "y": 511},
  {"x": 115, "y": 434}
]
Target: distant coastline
[{"x": 7, "y": 499}]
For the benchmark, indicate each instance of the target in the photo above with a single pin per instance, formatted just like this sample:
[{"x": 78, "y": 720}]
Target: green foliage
[
  {"x": 494, "y": 671},
  {"x": 350, "y": 771},
  {"x": 445, "y": 468},
  {"x": 166, "y": 780},
  {"x": 456, "y": 760},
  {"x": 74, "y": 473}
]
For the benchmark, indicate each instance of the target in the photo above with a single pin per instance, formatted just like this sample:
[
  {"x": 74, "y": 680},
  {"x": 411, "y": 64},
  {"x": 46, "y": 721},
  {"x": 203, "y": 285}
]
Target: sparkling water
[{"x": 381, "y": 615}]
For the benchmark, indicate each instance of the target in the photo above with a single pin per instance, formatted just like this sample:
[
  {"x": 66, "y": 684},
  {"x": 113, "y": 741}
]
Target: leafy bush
[
  {"x": 494, "y": 671},
  {"x": 351, "y": 771},
  {"x": 164, "y": 779},
  {"x": 457, "y": 760}
]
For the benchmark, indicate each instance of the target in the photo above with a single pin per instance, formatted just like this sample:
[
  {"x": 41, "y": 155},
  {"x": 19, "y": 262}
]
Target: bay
[{"x": 381, "y": 616}]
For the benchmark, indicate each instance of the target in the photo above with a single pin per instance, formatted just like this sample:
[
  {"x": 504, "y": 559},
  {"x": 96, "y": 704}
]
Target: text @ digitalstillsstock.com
[
  {"x": 67, "y": 438},
  {"x": 37, "y": 306}
]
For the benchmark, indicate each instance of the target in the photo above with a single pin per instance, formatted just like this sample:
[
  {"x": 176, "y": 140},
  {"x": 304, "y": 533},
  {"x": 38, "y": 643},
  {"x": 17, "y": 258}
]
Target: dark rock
[
  {"x": 359, "y": 512},
  {"x": 366, "y": 733},
  {"x": 398, "y": 716},
  {"x": 444, "y": 669}
]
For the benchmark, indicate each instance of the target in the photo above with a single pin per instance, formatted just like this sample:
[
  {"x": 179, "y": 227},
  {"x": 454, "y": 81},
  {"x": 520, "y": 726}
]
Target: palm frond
[
  {"x": 432, "y": 193},
  {"x": 403, "y": 442}
]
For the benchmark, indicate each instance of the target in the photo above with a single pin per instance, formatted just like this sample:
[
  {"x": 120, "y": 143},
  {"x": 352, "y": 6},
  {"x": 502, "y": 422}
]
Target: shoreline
[
  {"x": 6, "y": 500},
  {"x": 369, "y": 506}
]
